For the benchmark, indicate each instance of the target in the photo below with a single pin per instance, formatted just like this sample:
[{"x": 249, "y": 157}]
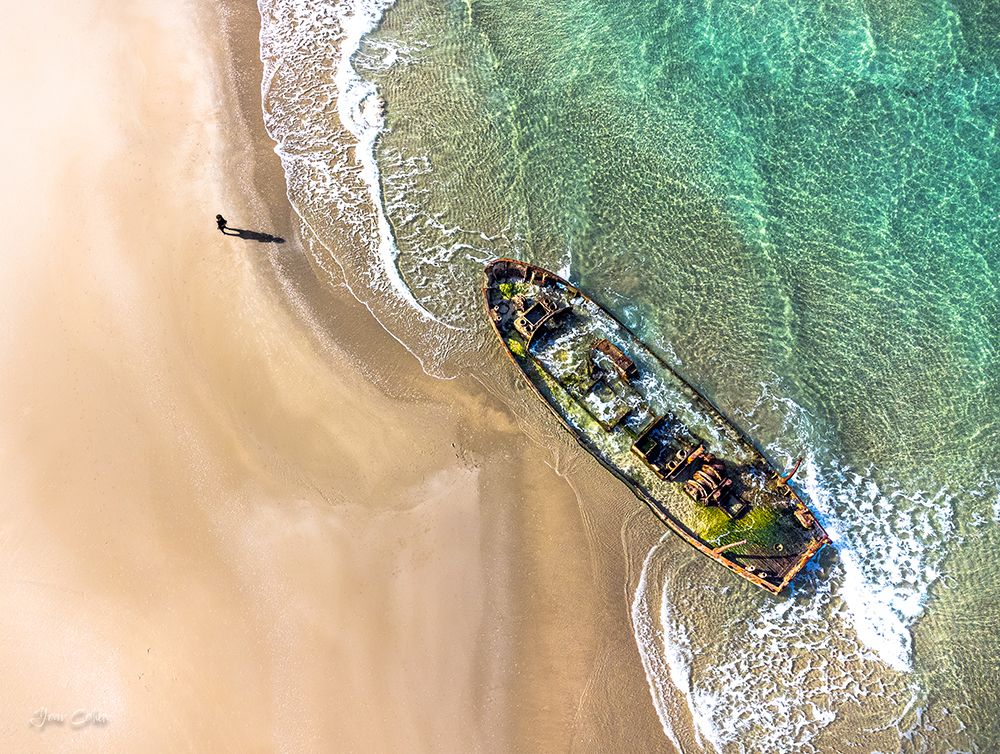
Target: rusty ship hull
[{"x": 694, "y": 469}]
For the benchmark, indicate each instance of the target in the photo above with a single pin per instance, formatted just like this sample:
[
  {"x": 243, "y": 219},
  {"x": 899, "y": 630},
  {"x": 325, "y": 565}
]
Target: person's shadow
[{"x": 249, "y": 235}]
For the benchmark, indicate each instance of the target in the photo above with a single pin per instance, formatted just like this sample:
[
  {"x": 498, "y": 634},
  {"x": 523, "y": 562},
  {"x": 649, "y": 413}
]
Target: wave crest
[{"x": 759, "y": 674}]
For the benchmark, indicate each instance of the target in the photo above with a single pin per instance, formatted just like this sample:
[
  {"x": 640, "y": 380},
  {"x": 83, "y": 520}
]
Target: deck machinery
[{"x": 648, "y": 426}]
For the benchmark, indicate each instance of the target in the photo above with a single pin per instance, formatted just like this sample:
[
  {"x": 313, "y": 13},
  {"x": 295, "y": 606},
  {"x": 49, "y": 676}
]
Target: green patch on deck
[
  {"x": 759, "y": 526},
  {"x": 509, "y": 290}
]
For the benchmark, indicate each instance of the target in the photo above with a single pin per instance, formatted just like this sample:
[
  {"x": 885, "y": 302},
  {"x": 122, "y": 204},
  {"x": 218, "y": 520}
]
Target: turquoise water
[{"x": 796, "y": 203}]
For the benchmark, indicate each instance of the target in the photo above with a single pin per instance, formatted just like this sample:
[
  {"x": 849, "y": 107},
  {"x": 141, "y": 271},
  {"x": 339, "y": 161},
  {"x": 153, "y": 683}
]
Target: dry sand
[{"x": 218, "y": 534}]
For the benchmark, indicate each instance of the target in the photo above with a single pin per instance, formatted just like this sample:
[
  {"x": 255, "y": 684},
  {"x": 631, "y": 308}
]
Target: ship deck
[{"x": 755, "y": 530}]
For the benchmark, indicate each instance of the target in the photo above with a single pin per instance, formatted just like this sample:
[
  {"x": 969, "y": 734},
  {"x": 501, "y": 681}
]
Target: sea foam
[
  {"x": 362, "y": 113},
  {"x": 326, "y": 119},
  {"x": 773, "y": 679}
]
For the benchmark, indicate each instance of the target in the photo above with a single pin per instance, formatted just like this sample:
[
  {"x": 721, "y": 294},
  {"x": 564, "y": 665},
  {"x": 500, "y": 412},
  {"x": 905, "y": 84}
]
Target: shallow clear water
[{"x": 797, "y": 204}]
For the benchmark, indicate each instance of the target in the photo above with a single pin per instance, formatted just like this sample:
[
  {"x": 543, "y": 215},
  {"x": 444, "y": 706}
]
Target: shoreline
[
  {"x": 606, "y": 637},
  {"x": 476, "y": 404},
  {"x": 217, "y": 495},
  {"x": 474, "y": 408}
]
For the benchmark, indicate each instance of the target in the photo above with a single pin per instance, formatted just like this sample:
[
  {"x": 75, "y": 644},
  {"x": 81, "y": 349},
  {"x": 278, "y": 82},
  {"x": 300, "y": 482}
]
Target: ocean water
[{"x": 797, "y": 204}]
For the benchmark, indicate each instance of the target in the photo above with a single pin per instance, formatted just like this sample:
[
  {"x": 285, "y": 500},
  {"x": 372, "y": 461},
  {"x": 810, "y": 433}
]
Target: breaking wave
[
  {"x": 773, "y": 678},
  {"x": 326, "y": 119}
]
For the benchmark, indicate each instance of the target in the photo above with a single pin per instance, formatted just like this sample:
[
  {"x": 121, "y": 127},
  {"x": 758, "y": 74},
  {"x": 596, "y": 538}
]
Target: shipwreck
[{"x": 695, "y": 470}]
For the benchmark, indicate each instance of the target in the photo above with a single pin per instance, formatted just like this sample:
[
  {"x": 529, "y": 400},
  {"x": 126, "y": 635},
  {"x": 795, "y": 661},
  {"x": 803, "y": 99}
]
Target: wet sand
[{"x": 236, "y": 515}]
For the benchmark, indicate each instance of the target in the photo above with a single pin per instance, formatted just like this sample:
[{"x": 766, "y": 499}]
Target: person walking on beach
[{"x": 250, "y": 235}]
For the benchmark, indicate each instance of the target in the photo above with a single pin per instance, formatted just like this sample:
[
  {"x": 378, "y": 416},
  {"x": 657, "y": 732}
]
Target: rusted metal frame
[{"x": 638, "y": 490}]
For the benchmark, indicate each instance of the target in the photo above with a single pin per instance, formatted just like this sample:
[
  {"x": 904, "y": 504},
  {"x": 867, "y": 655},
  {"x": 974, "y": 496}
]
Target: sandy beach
[{"x": 236, "y": 514}]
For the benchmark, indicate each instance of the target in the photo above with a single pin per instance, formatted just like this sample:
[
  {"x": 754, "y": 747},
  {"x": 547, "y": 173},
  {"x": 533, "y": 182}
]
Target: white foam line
[
  {"x": 360, "y": 300},
  {"x": 646, "y": 636},
  {"x": 361, "y": 112},
  {"x": 677, "y": 653},
  {"x": 886, "y": 580},
  {"x": 359, "y": 108},
  {"x": 874, "y": 608},
  {"x": 665, "y": 652}
]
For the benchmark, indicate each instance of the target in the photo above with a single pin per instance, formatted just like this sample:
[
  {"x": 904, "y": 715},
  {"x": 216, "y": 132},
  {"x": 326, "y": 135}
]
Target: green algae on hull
[{"x": 654, "y": 431}]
